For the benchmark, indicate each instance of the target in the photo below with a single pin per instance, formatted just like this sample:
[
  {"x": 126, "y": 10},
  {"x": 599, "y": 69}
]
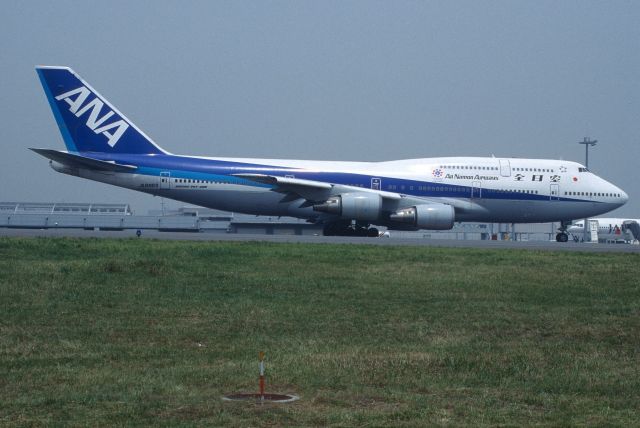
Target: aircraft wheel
[
  {"x": 331, "y": 229},
  {"x": 361, "y": 231},
  {"x": 373, "y": 232},
  {"x": 562, "y": 237},
  {"x": 338, "y": 228}
]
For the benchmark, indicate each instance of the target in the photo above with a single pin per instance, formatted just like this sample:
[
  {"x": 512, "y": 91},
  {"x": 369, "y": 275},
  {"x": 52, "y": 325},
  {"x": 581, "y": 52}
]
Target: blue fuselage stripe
[{"x": 182, "y": 167}]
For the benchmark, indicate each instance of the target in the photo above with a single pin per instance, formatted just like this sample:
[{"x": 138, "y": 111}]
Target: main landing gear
[
  {"x": 562, "y": 235},
  {"x": 347, "y": 228}
]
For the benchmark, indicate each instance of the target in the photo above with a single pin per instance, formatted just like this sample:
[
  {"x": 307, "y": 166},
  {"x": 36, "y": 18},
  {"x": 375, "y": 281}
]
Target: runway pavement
[{"x": 421, "y": 242}]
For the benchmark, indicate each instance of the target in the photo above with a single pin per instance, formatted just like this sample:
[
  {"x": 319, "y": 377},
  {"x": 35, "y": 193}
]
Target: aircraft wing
[
  {"x": 77, "y": 161},
  {"x": 311, "y": 190}
]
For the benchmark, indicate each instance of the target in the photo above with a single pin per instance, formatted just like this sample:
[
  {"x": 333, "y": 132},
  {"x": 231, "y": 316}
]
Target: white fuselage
[{"x": 480, "y": 189}]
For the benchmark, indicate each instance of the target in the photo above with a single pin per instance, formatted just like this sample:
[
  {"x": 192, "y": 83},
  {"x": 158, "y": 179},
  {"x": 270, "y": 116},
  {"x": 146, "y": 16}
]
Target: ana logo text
[{"x": 94, "y": 121}]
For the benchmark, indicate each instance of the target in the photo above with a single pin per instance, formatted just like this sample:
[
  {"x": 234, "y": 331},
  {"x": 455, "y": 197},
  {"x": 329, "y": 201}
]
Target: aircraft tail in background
[{"x": 87, "y": 121}]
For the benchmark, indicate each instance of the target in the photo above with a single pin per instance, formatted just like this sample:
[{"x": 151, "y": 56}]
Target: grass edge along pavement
[{"x": 137, "y": 332}]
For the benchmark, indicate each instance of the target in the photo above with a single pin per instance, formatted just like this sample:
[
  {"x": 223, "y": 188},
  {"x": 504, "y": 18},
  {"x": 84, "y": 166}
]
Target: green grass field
[{"x": 139, "y": 332}]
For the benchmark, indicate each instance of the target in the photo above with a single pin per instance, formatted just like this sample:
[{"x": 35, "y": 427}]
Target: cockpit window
[{"x": 583, "y": 170}]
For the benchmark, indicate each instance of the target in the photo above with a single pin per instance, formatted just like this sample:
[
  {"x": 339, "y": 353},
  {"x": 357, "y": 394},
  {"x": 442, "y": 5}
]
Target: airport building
[
  {"x": 63, "y": 208},
  {"x": 101, "y": 216}
]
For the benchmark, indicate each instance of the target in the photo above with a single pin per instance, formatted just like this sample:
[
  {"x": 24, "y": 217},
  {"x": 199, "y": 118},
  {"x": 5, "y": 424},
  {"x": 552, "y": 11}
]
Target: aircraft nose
[
  {"x": 623, "y": 197},
  {"x": 620, "y": 197}
]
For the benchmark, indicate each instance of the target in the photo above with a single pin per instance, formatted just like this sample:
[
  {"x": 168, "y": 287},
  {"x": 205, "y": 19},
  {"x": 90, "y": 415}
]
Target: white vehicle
[{"x": 348, "y": 198}]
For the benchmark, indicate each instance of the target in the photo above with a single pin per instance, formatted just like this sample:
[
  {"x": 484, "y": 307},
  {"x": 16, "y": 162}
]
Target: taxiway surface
[{"x": 309, "y": 239}]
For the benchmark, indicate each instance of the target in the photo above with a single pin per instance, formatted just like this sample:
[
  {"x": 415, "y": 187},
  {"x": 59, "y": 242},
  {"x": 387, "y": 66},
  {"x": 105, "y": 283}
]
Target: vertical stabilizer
[{"x": 87, "y": 121}]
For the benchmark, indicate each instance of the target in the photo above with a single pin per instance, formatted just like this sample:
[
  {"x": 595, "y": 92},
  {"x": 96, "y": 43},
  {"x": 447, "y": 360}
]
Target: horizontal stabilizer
[{"x": 77, "y": 161}]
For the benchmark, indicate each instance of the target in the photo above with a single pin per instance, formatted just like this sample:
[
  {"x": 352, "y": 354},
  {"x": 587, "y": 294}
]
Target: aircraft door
[
  {"x": 505, "y": 168},
  {"x": 554, "y": 192},
  {"x": 476, "y": 189},
  {"x": 376, "y": 184},
  {"x": 165, "y": 180}
]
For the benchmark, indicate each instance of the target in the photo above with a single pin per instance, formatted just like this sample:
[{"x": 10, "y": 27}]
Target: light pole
[{"x": 587, "y": 142}]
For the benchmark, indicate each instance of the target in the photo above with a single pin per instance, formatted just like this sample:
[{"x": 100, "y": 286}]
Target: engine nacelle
[
  {"x": 357, "y": 206},
  {"x": 426, "y": 216}
]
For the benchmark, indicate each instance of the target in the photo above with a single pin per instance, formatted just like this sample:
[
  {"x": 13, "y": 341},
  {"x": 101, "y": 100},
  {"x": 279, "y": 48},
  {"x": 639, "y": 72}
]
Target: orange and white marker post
[{"x": 261, "y": 358}]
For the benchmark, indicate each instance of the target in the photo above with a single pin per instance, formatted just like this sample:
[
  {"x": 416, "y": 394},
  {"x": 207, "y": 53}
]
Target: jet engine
[
  {"x": 358, "y": 206},
  {"x": 426, "y": 216}
]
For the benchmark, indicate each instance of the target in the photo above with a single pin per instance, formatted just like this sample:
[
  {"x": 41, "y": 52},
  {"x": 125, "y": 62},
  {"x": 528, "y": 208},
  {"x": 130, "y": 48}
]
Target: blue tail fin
[{"x": 87, "y": 121}]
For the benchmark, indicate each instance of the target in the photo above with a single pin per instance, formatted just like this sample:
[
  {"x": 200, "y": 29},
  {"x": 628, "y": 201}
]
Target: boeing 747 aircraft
[{"x": 348, "y": 198}]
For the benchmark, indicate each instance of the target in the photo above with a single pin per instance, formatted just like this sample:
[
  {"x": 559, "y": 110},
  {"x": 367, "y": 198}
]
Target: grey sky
[{"x": 330, "y": 80}]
